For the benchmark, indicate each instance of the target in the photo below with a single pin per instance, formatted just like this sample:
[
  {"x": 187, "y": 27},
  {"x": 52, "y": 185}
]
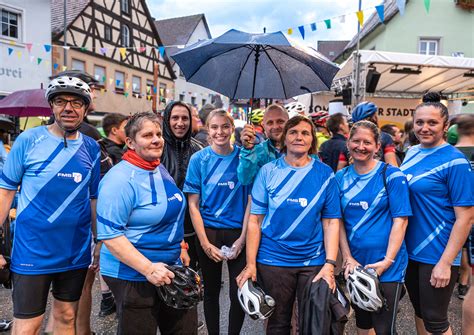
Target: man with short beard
[{"x": 253, "y": 157}]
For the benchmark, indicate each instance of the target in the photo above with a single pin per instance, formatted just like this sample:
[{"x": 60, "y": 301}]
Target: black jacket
[
  {"x": 177, "y": 151},
  {"x": 332, "y": 149},
  {"x": 176, "y": 155},
  {"x": 114, "y": 150},
  {"x": 322, "y": 312}
]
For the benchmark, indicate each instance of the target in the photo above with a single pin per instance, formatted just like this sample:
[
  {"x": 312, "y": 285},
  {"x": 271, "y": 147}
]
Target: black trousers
[
  {"x": 430, "y": 303},
  {"x": 140, "y": 310},
  {"x": 212, "y": 275},
  {"x": 284, "y": 284}
]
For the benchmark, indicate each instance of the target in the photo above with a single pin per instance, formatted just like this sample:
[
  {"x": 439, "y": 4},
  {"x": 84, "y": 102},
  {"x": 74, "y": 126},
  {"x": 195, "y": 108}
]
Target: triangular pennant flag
[
  {"x": 154, "y": 90},
  {"x": 47, "y": 47},
  {"x": 83, "y": 49},
  {"x": 134, "y": 86},
  {"x": 126, "y": 94},
  {"x": 32, "y": 58},
  {"x": 123, "y": 52},
  {"x": 162, "y": 51},
  {"x": 427, "y": 6},
  {"x": 28, "y": 46},
  {"x": 381, "y": 12},
  {"x": 343, "y": 19},
  {"x": 290, "y": 31},
  {"x": 301, "y": 29},
  {"x": 10, "y": 50},
  {"x": 148, "y": 88},
  {"x": 328, "y": 23},
  {"x": 127, "y": 85},
  {"x": 360, "y": 17},
  {"x": 64, "y": 68},
  {"x": 103, "y": 51},
  {"x": 162, "y": 92},
  {"x": 39, "y": 60},
  {"x": 55, "y": 66},
  {"x": 66, "y": 47},
  {"x": 12, "y": 43},
  {"x": 102, "y": 90},
  {"x": 142, "y": 49},
  {"x": 111, "y": 81},
  {"x": 401, "y": 6},
  {"x": 18, "y": 53},
  {"x": 313, "y": 26},
  {"x": 117, "y": 82},
  {"x": 104, "y": 79}
]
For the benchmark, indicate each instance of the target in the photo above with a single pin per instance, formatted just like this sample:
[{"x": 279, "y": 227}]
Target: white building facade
[{"x": 25, "y": 45}]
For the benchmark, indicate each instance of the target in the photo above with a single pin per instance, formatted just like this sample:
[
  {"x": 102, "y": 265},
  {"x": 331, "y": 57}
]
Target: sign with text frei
[
  {"x": 21, "y": 71},
  {"x": 390, "y": 110}
]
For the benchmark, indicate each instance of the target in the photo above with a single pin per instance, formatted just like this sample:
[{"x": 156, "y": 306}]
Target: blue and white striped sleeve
[{"x": 260, "y": 194}]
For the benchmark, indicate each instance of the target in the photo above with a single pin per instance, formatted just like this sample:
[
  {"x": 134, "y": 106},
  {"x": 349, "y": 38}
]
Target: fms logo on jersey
[
  {"x": 76, "y": 176},
  {"x": 176, "y": 196},
  {"x": 229, "y": 184},
  {"x": 363, "y": 204},
  {"x": 303, "y": 202}
]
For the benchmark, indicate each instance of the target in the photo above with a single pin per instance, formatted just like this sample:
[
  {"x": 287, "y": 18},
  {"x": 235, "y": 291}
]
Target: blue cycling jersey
[
  {"x": 223, "y": 199},
  {"x": 53, "y": 223},
  {"x": 147, "y": 208},
  {"x": 368, "y": 209},
  {"x": 439, "y": 179},
  {"x": 294, "y": 200}
]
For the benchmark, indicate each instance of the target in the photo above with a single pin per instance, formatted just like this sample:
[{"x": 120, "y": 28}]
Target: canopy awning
[{"x": 411, "y": 74}]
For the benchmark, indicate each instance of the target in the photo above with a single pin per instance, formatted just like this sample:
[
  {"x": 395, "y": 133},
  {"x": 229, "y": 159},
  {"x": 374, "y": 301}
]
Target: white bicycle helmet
[
  {"x": 364, "y": 289},
  {"x": 68, "y": 85},
  {"x": 254, "y": 301},
  {"x": 296, "y": 108}
]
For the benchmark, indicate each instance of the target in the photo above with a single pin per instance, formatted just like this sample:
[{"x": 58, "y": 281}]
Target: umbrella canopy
[
  {"x": 6, "y": 124},
  {"x": 25, "y": 103},
  {"x": 241, "y": 65}
]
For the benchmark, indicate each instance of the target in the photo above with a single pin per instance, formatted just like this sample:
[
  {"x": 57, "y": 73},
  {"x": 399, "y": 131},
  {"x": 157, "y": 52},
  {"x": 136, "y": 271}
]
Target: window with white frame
[
  {"x": 99, "y": 74},
  {"x": 125, "y": 36},
  {"x": 429, "y": 46},
  {"x": 119, "y": 80},
  {"x": 136, "y": 85},
  {"x": 78, "y": 65},
  {"x": 11, "y": 23}
]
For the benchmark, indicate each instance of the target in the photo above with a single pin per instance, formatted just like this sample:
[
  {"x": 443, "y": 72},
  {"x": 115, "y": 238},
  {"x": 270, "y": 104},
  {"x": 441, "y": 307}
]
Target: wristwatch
[{"x": 330, "y": 261}]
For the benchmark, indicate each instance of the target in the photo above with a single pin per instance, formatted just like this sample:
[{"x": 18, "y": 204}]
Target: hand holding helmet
[
  {"x": 185, "y": 290},
  {"x": 254, "y": 301},
  {"x": 364, "y": 289}
]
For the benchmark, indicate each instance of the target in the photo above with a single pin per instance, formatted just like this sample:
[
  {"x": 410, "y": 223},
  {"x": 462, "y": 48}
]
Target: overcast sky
[{"x": 254, "y": 15}]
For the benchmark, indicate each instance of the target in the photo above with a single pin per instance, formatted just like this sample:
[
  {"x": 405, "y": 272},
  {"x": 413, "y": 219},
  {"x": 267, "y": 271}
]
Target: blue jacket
[{"x": 252, "y": 160}]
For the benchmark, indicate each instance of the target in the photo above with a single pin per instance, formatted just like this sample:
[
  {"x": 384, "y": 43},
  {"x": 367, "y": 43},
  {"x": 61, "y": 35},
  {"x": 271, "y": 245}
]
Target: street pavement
[{"x": 107, "y": 325}]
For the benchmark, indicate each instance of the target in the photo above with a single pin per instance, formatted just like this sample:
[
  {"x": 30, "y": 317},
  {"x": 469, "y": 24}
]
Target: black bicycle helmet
[{"x": 185, "y": 290}]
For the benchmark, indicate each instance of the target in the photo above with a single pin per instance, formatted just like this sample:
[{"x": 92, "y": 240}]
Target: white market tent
[{"x": 411, "y": 75}]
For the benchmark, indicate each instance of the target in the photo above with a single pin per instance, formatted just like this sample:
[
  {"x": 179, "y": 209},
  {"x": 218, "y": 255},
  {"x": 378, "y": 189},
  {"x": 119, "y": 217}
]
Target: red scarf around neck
[{"x": 132, "y": 157}]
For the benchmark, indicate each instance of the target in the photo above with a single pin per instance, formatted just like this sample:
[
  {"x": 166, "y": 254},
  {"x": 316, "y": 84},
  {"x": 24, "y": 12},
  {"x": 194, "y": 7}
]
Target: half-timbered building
[{"x": 116, "y": 41}]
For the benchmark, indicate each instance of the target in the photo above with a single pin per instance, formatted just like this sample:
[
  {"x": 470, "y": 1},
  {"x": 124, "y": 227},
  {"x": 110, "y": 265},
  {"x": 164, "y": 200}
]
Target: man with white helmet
[{"x": 58, "y": 170}]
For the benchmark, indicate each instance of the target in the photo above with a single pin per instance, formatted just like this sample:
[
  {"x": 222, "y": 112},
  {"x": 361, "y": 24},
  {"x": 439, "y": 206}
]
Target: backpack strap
[{"x": 384, "y": 178}]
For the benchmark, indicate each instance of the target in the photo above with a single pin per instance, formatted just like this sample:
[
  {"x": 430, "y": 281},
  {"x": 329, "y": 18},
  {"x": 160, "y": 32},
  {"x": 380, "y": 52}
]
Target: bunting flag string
[
  {"x": 381, "y": 12},
  {"x": 360, "y": 17},
  {"x": 427, "y": 6}
]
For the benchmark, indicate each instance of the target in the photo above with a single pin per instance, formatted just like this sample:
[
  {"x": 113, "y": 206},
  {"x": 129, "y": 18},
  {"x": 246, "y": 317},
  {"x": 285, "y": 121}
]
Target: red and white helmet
[{"x": 320, "y": 118}]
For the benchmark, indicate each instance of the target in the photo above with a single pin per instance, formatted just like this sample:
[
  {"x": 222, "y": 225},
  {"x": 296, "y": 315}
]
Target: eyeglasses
[{"x": 76, "y": 104}]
